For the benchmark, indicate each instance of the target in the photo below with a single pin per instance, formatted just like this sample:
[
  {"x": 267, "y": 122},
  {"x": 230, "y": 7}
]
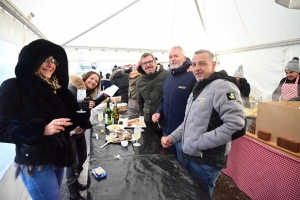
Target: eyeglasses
[
  {"x": 52, "y": 60},
  {"x": 148, "y": 62}
]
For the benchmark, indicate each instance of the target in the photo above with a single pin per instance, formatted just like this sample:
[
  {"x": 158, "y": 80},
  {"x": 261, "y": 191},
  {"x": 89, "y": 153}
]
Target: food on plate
[
  {"x": 118, "y": 136},
  {"x": 114, "y": 127},
  {"x": 133, "y": 122},
  {"x": 251, "y": 112}
]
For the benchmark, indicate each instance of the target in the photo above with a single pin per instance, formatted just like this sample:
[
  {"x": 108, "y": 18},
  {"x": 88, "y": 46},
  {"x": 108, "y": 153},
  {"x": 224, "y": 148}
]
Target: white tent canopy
[{"x": 259, "y": 34}]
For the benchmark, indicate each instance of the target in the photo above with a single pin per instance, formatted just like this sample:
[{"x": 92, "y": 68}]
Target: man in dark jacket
[
  {"x": 177, "y": 88},
  {"x": 149, "y": 89},
  {"x": 289, "y": 87},
  {"x": 121, "y": 79}
]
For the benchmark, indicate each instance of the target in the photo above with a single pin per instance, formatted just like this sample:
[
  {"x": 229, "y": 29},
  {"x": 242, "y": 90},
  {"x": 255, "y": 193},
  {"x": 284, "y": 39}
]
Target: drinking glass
[
  {"x": 141, "y": 121},
  {"x": 80, "y": 98},
  {"x": 137, "y": 135},
  {"x": 100, "y": 117}
]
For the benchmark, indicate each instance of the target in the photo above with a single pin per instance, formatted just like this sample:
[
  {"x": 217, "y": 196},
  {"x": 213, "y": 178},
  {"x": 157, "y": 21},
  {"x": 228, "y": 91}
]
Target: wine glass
[
  {"x": 100, "y": 117},
  {"x": 137, "y": 135},
  {"x": 80, "y": 98}
]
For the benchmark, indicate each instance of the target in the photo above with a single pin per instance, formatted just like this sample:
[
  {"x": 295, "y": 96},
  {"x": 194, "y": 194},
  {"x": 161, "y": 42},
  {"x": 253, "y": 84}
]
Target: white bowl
[
  {"x": 124, "y": 143},
  {"x": 115, "y": 127}
]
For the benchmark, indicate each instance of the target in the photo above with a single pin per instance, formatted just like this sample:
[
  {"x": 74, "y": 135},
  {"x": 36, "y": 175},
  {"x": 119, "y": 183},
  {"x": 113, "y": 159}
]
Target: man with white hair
[
  {"x": 177, "y": 88},
  {"x": 214, "y": 117},
  {"x": 289, "y": 87}
]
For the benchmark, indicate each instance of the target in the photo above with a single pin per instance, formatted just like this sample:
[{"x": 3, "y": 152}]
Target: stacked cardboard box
[{"x": 282, "y": 120}]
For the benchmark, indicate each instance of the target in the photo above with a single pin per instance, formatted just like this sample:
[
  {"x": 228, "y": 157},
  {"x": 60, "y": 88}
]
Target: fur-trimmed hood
[
  {"x": 35, "y": 53},
  {"x": 77, "y": 82},
  {"x": 117, "y": 73}
]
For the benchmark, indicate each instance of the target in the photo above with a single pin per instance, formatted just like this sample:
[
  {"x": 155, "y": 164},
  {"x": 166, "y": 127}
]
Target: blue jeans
[
  {"x": 205, "y": 175},
  {"x": 44, "y": 184},
  {"x": 177, "y": 150},
  {"x": 79, "y": 155}
]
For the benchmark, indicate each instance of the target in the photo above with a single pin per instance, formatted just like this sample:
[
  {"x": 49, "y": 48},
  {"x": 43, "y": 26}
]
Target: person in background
[
  {"x": 177, "y": 88},
  {"x": 214, "y": 117},
  {"x": 289, "y": 87},
  {"x": 223, "y": 72},
  {"x": 91, "y": 83},
  {"x": 115, "y": 68},
  {"x": 120, "y": 79},
  {"x": 105, "y": 83},
  {"x": 128, "y": 71},
  {"x": 243, "y": 85},
  {"x": 37, "y": 114},
  {"x": 149, "y": 89},
  {"x": 132, "y": 91}
]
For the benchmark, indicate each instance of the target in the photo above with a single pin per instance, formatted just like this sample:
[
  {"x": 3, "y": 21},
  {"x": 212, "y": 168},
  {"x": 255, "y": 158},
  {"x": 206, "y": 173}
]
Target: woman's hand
[
  {"x": 91, "y": 104},
  {"x": 77, "y": 130},
  {"x": 57, "y": 125}
]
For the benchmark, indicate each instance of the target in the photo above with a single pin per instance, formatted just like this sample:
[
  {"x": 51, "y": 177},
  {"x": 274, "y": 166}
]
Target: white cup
[
  {"x": 125, "y": 122},
  {"x": 124, "y": 143}
]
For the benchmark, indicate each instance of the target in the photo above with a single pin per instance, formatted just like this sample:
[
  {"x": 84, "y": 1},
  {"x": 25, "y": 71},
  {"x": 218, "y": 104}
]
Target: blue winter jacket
[{"x": 177, "y": 87}]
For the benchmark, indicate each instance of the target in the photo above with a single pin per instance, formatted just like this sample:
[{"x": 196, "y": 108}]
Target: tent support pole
[
  {"x": 111, "y": 48},
  {"x": 199, "y": 13},
  {"x": 262, "y": 46},
  {"x": 19, "y": 16},
  {"x": 101, "y": 22}
]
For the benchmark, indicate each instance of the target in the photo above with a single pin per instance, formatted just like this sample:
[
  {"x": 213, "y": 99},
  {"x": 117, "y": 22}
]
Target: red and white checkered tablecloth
[{"x": 262, "y": 172}]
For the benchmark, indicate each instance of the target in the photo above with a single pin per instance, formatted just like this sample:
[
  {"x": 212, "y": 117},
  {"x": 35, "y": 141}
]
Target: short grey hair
[
  {"x": 181, "y": 49},
  {"x": 211, "y": 55}
]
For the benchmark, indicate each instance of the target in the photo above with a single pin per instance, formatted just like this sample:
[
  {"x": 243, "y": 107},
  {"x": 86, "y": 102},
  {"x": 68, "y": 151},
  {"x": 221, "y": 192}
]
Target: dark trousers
[{"x": 79, "y": 155}]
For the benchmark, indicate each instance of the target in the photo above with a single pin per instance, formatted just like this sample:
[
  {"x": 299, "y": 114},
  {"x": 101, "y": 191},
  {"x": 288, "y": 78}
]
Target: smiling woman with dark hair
[
  {"x": 37, "y": 113},
  {"x": 91, "y": 82}
]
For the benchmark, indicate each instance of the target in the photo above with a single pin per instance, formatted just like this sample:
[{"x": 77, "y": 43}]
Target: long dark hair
[{"x": 88, "y": 74}]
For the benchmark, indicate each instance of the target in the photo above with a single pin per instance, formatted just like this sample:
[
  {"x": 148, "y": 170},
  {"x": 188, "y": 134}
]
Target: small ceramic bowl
[{"x": 124, "y": 143}]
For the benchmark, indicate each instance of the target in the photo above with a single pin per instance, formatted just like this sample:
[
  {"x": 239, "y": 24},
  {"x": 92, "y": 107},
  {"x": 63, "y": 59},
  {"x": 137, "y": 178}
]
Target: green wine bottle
[
  {"x": 108, "y": 115},
  {"x": 115, "y": 114}
]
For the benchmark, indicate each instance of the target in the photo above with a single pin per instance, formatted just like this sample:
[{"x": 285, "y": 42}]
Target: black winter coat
[
  {"x": 28, "y": 104},
  {"x": 121, "y": 79},
  {"x": 245, "y": 89}
]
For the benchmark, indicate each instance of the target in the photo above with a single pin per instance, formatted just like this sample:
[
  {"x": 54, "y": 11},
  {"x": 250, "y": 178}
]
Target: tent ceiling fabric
[{"x": 160, "y": 24}]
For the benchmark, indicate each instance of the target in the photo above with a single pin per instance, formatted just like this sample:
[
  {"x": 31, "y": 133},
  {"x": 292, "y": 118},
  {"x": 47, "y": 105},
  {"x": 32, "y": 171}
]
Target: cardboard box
[{"x": 279, "y": 118}]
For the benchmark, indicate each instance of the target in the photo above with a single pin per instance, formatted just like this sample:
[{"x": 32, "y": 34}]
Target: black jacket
[
  {"x": 28, "y": 104},
  {"x": 121, "y": 79},
  {"x": 245, "y": 89},
  {"x": 149, "y": 93}
]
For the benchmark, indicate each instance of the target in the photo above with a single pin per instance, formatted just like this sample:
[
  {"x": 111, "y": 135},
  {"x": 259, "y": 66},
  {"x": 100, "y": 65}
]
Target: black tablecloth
[{"x": 145, "y": 172}]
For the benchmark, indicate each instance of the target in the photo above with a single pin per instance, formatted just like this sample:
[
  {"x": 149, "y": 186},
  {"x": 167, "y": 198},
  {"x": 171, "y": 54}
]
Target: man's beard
[{"x": 175, "y": 66}]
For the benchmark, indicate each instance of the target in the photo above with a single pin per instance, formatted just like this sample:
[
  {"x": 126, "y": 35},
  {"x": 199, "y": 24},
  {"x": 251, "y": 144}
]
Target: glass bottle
[
  {"x": 108, "y": 113},
  {"x": 115, "y": 114}
]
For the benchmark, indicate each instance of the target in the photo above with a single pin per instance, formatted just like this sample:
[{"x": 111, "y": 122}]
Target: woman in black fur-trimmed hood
[{"x": 37, "y": 113}]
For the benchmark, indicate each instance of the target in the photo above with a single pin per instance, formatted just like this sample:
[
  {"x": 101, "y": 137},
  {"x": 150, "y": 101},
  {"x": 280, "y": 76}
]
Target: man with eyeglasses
[
  {"x": 177, "y": 88},
  {"x": 214, "y": 117},
  {"x": 149, "y": 89}
]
